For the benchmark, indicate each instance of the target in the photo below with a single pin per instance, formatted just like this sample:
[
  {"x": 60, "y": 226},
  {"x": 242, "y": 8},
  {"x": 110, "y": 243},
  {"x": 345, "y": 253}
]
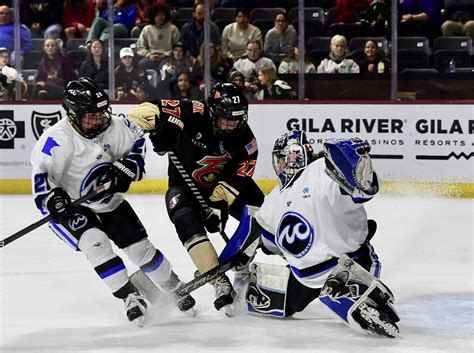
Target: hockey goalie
[{"x": 315, "y": 219}]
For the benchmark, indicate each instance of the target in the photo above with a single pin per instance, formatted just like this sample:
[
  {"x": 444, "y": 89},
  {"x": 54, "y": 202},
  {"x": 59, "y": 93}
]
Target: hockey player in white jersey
[
  {"x": 316, "y": 220},
  {"x": 87, "y": 149}
]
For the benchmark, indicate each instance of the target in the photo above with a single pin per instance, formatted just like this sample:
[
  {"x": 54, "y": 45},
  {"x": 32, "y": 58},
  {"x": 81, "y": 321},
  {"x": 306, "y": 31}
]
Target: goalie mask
[
  {"x": 228, "y": 107},
  {"x": 291, "y": 153},
  {"x": 87, "y": 107}
]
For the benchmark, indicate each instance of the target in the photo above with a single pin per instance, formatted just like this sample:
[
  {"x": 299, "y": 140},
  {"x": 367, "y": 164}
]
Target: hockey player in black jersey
[{"x": 218, "y": 150}]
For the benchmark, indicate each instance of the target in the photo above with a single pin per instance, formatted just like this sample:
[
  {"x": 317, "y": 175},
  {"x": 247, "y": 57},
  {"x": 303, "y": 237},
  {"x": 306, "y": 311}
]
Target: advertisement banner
[{"x": 412, "y": 142}]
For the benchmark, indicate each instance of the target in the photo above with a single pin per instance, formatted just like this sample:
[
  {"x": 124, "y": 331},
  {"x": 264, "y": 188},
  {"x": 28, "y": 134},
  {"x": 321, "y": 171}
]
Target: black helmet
[
  {"x": 83, "y": 96},
  {"x": 227, "y": 101}
]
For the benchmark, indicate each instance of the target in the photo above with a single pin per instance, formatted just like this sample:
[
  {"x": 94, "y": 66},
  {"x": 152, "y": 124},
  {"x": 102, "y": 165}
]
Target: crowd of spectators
[{"x": 166, "y": 59}]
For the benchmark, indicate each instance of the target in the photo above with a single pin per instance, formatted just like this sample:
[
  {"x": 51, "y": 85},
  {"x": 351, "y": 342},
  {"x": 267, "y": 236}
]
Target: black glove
[
  {"x": 215, "y": 221},
  {"x": 121, "y": 174},
  {"x": 168, "y": 130},
  {"x": 58, "y": 203}
]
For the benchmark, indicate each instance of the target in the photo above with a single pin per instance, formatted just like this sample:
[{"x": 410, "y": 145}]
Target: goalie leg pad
[
  {"x": 266, "y": 293},
  {"x": 360, "y": 300}
]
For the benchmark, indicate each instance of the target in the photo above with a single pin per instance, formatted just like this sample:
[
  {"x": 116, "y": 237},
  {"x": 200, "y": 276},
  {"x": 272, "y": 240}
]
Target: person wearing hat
[
  {"x": 238, "y": 78},
  {"x": 128, "y": 76},
  {"x": 96, "y": 64}
]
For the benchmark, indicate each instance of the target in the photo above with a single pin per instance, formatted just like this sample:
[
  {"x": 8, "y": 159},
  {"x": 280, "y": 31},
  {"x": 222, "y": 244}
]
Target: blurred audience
[
  {"x": 78, "y": 17},
  {"x": 272, "y": 87},
  {"x": 124, "y": 13},
  {"x": 128, "y": 76},
  {"x": 185, "y": 89},
  {"x": 96, "y": 64},
  {"x": 420, "y": 18},
  {"x": 281, "y": 39},
  {"x": 290, "y": 64},
  {"x": 376, "y": 18},
  {"x": 8, "y": 78},
  {"x": 192, "y": 33},
  {"x": 236, "y": 35},
  {"x": 44, "y": 18},
  {"x": 157, "y": 39},
  {"x": 337, "y": 62},
  {"x": 54, "y": 71},
  {"x": 348, "y": 11},
  {"x": 141, "y": 20},
  {"x": 374, "y": 60},
  {"x": 238, "y": 78},
  {"x": 7, "y": 34},
  {"x": 459, "y": 18},
  {"x": 219, "y": 66}
]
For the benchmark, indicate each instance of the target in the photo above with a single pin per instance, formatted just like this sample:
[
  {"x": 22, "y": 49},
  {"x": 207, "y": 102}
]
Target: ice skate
[
  {"x": 376, "y": 321},
  {"x": 239, "y": 305},
  {"x": 136, "y": 307},
  {"x": 184, "y": 303},
  {"x": 224, "y": 292}
]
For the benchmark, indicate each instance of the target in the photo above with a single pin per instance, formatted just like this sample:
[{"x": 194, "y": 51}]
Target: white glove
[{"x": 12, "y": 74}]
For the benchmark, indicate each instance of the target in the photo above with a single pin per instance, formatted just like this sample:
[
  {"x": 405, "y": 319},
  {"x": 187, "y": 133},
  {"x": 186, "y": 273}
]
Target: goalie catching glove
[{"x": 348, "y": 163}]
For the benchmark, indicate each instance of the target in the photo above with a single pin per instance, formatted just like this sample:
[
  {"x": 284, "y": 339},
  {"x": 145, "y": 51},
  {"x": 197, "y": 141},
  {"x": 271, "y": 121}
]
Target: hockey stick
[
  {"x": 187, "y": 178},
  {"x": 46, "y": 219}
]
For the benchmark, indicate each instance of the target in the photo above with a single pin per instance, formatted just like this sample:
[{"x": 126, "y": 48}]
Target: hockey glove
[
  {"x": 216, "y": 220},
  {"x": 348, "y": 163},
  {"x": 121, "y": 174},
  {"x": 224, "y": 192},
  {"x": 58, "y": 203},
  {"x": 168, "y": 130}
]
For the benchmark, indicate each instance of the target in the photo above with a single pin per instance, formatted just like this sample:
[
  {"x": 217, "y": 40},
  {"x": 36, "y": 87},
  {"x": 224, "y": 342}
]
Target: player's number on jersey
[
  {"x": 176, "y": 112},
  {"x": 247, "y": 168},
  {"x": 41, "y": 183}
]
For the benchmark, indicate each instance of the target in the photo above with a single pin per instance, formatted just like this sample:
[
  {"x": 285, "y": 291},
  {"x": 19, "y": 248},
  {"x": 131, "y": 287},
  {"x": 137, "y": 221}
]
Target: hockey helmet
[
  {"x": 227, "y": 101},
  {"x": 291, "y": 153},
  {"x": 84, "y": 96}
]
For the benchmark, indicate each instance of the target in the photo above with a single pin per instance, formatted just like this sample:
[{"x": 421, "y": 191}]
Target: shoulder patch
[{"x": 49, "y": 145}]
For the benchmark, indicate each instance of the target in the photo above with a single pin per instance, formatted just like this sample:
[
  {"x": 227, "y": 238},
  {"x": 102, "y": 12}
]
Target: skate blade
[
  {"x": 390, "y": 330},
  {"x": 140, "y": 321}
]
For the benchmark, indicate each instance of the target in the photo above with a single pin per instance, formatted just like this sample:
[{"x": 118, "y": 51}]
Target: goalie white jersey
[
  {"x": 63, "y": 158},
  {"x": 312, "y": 221}
]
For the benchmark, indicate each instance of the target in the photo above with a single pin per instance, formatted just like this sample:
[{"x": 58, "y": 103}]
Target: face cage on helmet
[
  {"x": 288, "y": 162},
  {"x": 216, "y": 116},
  {"x": 97, "y": 130}
]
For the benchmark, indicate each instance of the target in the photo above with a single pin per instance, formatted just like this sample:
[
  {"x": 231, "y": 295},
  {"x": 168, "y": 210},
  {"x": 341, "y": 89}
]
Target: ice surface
[{"x": 52, "y": 301}]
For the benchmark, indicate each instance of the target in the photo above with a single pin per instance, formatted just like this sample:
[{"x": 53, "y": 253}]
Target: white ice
[{"x": 52, "y": 301}]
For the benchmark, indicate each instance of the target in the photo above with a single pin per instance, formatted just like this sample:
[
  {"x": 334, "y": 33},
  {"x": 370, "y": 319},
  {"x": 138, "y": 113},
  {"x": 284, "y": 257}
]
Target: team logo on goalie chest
[{"x": 295, "y": 234}]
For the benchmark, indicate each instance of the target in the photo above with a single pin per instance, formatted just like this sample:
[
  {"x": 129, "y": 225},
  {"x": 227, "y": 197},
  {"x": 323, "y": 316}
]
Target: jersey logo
[
  {"x": 48, "y": 146},
  {"x": 77, "y": 222},
  {"x": 294, "y": 234},
  {"x": 206, "y": 176},
  {"x": 90, "y": 182}
]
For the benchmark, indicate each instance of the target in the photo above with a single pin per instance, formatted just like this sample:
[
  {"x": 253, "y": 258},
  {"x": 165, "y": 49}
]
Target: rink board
[{"x": 420, "y": 147}]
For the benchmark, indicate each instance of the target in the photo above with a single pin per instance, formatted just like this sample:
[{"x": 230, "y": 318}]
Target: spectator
[
  {"x": 44, "y": 18},
  {"x": 348, "y": 11},
  {"x": 78, "y": 17},
  {"x": 420, "y": 18},
  {"x": 128, "y": 76},
  {"x": 143, "y": 6},
  {"x": 272, "y": 87},
  {"x": 96, "y": 64},
  {"x": 219, "y": 66},
  {"x": 238, "y": 78},
  {"x": 7, "y": 38},
  {"x": 144, "y": 92},
  {"x": 459, "y": 18},
  {"x": 376, "y": 18},
  {"x": 179, "y": 60},
  {"x": 192, "y": 33},
  {"x": 54, "y": 71},
  {"x": 373, "y": 56},
  {"x": 249, "y": 4},
  {"x": 124, "y": 14},
  {"x": 237, "y": 34},
  {"x": 337, "y": 62},
  {"x": 184, "y": 89},
  {"x": 281, "y": 39},
  {"x": 290, "y": 64},
  {"x": 157, "y": 39},
  {"x": 252, "y": 62},
  {"x": 8, "y": 76}
]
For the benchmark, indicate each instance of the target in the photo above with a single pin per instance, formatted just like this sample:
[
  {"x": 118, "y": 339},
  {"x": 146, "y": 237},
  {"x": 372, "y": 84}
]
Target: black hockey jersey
[{"x": 206, "y": 155}]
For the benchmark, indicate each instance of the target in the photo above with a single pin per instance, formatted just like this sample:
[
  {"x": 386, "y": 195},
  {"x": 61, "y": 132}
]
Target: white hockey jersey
[
  {"x": 63, "y": 158},
  {"x": 312, "y": 222}
]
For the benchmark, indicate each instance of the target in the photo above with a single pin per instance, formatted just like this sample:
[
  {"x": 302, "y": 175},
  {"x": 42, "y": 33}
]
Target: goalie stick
[
  {"x": 46, "y": 219},
  {"x": 187, "y": 178}
]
